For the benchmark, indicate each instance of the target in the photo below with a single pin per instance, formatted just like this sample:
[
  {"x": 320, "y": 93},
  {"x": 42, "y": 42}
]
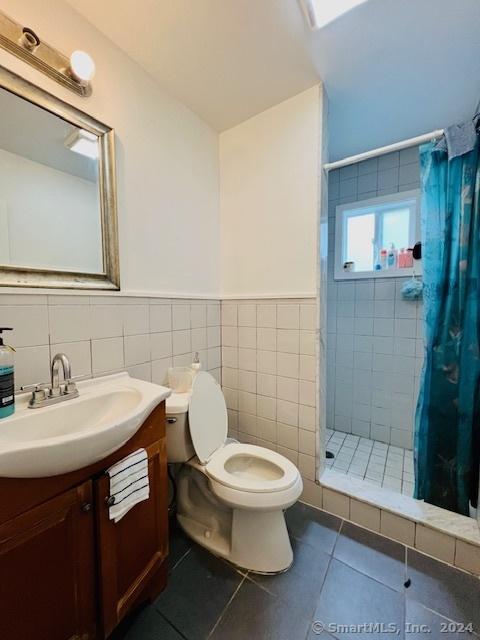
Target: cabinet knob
[
  {"x": 110, "y": 500},
  {"x": 86, "y": 507}
]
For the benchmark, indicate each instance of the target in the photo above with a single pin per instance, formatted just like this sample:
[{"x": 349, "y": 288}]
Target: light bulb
[{"x": 82, "y": 66}]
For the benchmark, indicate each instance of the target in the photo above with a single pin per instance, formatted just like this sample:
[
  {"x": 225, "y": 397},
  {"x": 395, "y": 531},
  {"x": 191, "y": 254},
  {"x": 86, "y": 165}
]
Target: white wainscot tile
[
  {"x": 32, "y": 364},
  {"x": 180, "y": 317},
  {"x": 288, "y": 316},
  {"x": 198, "y": 316},
  {"x": 135, "y": 319},
  {"x": 29, "y": 323},
  {"x": 107, "y": 355},
  {"x": 137, "y": 349},
  {"x": 266, "y": 315},
  {"x": 160, "y": 317},
  {"x": 106, "y": 321},
  {"x": 69, "y": 323}
]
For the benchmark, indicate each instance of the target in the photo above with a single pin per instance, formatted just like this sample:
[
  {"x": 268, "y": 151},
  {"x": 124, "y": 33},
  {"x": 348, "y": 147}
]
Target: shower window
[{"x": 371, "y": 236}]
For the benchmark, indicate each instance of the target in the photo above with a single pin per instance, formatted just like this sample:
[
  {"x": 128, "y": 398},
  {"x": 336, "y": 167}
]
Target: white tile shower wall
[
  {"x": 268, "y": 373},
  {"x": 374, "y": 340},
  {"x": 107, "y": 334}
]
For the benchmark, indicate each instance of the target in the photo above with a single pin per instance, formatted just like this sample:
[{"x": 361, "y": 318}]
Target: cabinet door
[
  {"x": 47, "y": 575},
  {"x": 132, "y": 551}
]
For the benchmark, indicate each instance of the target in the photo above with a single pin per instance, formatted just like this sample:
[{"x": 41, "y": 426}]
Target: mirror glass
[{"x": 50, "y": 211}]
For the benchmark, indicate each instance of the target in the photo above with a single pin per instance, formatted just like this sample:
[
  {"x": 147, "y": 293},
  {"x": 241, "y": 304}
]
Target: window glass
[
  {"x": 360, "y": 241},
  {"x": 395, "y": 229}
]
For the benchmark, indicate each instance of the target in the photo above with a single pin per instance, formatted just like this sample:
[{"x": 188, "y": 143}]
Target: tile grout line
[{"x": 227, "y": 605}]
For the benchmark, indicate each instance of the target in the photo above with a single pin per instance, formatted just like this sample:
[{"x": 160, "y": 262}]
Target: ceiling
[{"x": 392, "y": 68}]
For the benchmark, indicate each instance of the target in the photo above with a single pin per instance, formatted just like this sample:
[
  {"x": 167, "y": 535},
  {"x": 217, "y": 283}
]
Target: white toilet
[{"x": 230, "y": 496}]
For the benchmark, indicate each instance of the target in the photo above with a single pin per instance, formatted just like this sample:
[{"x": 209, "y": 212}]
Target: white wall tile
[
  {"x": 247, "y": 359},
  {"x": 288, "y": 365},
  {"x": 181, "y": 342},
  {"x": 32, "y": 365},
  {"x": 288, "y": 316},
  {"x": 160, "y": 317},
  {"x": 266, "y": 339},
  {"x": 229, "y": 315},
  {"x": 107, "y": 355},
  {"x": 266, "y": 315},
  {"x": 247, "y": 337},
  {"x": 29, "y": 323},
  {"x": 287, "y": 389},
  {"x": 137, "y": 349},
  {"x": 247, "y": 381},
  {"x": 287, "y": 412},
  {"x": 308, "y": 315},
  {"x": 160, "y": 345},
  {"x": 198, "y": 316},
  {"x": 69, "y": 323},
  {"x": 106, "y": 321},
  {"x": 288, "y": 340},
  {"x": 135, "y": 319},
  {"x": 266, "y": 385},
  {"x": 180, "y": 317},
  {"x": 247, "y": 315},
  {"x": 213, "y": 315}
]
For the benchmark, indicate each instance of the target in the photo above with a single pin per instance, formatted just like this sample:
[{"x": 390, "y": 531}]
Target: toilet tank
[{"x": 179, "y": 442}]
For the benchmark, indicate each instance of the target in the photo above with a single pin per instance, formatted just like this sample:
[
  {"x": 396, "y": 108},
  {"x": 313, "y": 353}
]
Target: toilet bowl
[{"x": 230, "y": 496}]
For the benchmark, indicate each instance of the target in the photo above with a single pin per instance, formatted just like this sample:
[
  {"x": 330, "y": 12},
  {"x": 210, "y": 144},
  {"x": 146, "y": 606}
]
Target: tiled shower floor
[{"x": 372, "y": 461}]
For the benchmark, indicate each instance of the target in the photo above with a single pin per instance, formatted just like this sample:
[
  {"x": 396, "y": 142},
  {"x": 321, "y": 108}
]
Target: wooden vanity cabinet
[{"x": 68, "y": 572}]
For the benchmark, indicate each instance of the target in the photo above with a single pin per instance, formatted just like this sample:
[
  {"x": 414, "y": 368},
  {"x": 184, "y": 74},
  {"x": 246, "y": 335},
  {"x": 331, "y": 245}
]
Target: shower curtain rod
[{"x": 396, "y": 146}]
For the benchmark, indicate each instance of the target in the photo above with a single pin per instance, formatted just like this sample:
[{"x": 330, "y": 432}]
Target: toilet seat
[{"x": 246, "y": 467}]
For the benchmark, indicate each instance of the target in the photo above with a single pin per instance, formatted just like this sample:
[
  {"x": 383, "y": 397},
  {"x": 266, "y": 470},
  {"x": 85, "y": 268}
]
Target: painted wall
[
  {"x": 374, "y": 340},
  {"x": 167, "y": 158},
  {"x": 268, "y": 200},
  {"x": 48, "y": 218}
]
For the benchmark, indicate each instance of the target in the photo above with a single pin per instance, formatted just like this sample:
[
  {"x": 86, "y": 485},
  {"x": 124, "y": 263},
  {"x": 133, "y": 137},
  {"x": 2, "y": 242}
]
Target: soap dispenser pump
[
  {"x": 7, "y": 393},
  {"x": 196, "y": 364}
]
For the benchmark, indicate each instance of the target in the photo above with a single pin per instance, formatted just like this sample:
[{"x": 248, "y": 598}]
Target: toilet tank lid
[{"x": 178, "y": 403}]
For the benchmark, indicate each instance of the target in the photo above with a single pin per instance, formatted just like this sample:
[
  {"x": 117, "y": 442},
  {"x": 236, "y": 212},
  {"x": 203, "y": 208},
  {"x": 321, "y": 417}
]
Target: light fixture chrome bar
[
  {"x": 25, "y": 44},
  {"x": 396, "y": 146}
]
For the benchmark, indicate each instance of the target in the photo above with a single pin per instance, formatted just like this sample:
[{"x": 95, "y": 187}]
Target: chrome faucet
[
  {"x": 44, "y": 394},
  {"x": 59, "y": 359}
]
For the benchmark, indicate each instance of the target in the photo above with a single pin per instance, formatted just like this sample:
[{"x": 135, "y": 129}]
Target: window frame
[{"x": 371, "y": 205}]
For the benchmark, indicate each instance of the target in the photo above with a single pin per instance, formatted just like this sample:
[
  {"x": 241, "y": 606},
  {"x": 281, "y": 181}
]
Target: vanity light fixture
[
  {"x": 83, "y": 142},
  {"x": 74, "y": 73}
]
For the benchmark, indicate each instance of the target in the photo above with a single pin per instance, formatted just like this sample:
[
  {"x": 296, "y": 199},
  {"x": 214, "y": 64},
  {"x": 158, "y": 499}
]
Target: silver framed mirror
[{"x": 58, "y": 204}]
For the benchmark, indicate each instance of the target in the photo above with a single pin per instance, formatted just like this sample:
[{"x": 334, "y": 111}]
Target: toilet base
[{"x": 254, "y": 540}]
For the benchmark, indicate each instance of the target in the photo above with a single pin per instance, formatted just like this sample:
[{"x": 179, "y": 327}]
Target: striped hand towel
[{"x": 128, "y": 484}]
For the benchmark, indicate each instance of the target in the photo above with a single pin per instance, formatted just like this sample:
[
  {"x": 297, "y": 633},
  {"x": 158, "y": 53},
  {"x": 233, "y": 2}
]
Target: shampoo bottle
[{"x": 7, "y": 394}]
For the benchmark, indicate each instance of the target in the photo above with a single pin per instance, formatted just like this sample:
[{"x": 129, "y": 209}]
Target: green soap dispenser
[{"x": 7, "y": 393}]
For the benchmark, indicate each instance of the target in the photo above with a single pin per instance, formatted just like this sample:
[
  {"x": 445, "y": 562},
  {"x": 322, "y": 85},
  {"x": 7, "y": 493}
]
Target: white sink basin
[{"x": 37, "y": 443}]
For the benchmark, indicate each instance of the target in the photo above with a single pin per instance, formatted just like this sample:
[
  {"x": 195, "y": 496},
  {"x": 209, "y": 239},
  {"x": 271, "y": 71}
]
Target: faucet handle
[
  {"x": 38, "y": 391},
  {"x": 36, "y": 386}
]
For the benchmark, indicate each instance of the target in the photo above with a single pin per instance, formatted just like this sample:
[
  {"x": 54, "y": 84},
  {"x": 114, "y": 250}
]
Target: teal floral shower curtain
[{"x": 447, "y": 418}]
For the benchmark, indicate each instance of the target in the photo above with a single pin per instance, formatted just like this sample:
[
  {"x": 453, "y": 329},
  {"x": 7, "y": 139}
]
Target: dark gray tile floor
[{"x": 345, "y": 583}]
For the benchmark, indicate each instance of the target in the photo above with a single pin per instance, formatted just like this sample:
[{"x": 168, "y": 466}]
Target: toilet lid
[{"x": 207, "y": 416}]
